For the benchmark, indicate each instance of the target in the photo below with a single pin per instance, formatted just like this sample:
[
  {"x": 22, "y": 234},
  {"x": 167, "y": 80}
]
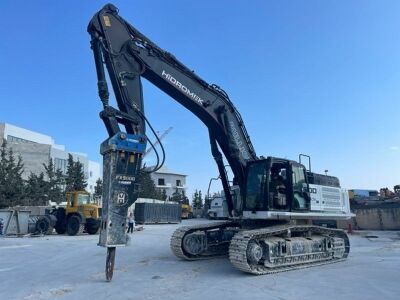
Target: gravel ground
[{"x": 63, "y": 267}]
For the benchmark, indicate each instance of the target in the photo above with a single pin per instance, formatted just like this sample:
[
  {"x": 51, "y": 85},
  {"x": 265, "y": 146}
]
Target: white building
[
  {"x": 36, "y": 149},
  {"x": 169, "y": 181},
  {"x": 94, "y": 174}
]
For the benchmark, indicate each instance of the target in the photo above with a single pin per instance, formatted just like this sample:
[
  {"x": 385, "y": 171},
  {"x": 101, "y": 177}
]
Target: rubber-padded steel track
[
  {"x": 240, "y": 242},
  {"x": 179, "y": 234}
]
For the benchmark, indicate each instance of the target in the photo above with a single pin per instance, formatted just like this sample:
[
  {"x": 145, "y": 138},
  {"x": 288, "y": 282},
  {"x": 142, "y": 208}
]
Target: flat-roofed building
[
  {"x": 36, "y": 149},
  {"x": 169, "y": 181}
]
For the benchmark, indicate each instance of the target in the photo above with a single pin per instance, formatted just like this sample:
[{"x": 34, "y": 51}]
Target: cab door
[
  {"x": 300, "y": 189},
  {"x": 280, "y": 192},
  {"x": 256, "y": 179}
]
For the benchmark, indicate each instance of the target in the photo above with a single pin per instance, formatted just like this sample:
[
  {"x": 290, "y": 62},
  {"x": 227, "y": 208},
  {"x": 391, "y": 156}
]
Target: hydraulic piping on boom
[{"x": 271, "y": 201}]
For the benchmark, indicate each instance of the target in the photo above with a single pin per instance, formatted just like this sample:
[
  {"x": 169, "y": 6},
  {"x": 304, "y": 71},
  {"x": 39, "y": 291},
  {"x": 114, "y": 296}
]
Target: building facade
[
  {"x": 37, "y": 149},
  {"x": 94, "y": 173},
  {"x": 169, "y": 181}
]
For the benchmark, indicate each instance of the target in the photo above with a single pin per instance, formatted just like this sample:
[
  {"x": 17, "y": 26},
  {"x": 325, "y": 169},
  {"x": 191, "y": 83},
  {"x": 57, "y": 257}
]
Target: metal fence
[{"x": 151, "y": 213}]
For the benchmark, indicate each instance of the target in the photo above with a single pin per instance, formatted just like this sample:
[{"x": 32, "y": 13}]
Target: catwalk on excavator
[{"x": 271, "y": 201}]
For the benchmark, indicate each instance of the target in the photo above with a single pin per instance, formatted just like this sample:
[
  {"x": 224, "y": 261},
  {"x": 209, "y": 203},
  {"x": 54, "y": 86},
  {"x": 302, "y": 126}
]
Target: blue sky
[{"x": 314, "y": 77}]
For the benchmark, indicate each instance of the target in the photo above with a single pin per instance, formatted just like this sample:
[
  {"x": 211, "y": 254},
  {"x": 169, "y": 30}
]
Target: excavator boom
[{"x": 129, "y": 55}]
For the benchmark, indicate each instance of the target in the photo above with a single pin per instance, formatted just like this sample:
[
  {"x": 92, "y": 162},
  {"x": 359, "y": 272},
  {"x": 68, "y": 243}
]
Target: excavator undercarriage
[{"x": 265, "y": 250}]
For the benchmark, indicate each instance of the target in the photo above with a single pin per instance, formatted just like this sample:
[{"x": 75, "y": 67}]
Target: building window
[
  {"x": 178, "y": 182},
  {"x": 60, "y": 164},
  {"x": 161, "y": 181},
  {"x": 15, "y": 139}
]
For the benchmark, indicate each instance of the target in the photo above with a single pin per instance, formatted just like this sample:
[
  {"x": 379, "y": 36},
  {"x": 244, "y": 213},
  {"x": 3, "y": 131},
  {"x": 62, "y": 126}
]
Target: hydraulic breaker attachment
[{"x": 122, "y": 155}]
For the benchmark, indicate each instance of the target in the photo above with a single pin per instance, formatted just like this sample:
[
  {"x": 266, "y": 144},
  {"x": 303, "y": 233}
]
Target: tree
[
  {"x": 148, "y": 188},
  {"x": 185, "y": 199},
  {"x": 15, "y": 181},
  {"x": 98, "y": 189},
  {"x": 36, "y": 190},
  {"x": 164, "y": 195},
  {"x": 3, "y": 172},
  {"x": 70, "y": 178},
  {"x": 11, "y": 182},
  {"x": 55, "y": 183},
  {"x": 75, "y": 179},
  {"x": 177, "y": 196},
  {"x": 197, "y": 200},
  {"x": 194, "y": 199},
  {"x": 200, "y": 200},
  {"x": 80, "y": 182}
]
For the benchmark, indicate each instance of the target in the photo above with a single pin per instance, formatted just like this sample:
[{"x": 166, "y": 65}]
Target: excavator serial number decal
[
  {"x": 180, "y": 86},
  {"x": 125, "y": 177}
]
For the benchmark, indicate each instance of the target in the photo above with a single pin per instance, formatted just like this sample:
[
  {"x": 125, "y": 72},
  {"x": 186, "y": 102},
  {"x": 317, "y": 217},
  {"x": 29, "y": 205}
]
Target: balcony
[{"x": 165, "y": 186}]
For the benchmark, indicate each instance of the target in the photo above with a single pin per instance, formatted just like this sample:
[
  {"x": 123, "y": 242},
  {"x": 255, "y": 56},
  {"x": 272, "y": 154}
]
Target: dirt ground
[{"x": 63, "y": 267}]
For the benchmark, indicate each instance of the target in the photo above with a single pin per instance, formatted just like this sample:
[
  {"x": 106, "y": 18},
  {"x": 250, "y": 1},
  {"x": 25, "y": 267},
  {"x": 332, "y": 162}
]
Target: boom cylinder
[{"x": 101, "y": 78}]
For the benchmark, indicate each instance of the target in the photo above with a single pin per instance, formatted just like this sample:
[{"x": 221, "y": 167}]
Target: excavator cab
[{"x": 276, "y": 184}]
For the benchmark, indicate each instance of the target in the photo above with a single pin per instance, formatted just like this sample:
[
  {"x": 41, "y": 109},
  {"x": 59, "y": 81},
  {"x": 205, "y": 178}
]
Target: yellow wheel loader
[
  {"x": 81, "y": 213},
  {"x": 187, "y": 211}
]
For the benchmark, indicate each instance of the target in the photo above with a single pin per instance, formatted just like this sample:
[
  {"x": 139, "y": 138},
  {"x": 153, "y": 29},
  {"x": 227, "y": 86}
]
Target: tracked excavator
[{"x": 271, "y": 201}]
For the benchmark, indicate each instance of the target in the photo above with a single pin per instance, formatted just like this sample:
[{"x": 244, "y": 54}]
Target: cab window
[
  {"x": 83, "y": 199},
  {"x": 256, "y": 178}
]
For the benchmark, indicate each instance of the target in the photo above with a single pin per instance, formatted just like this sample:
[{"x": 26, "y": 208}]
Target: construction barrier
[
  {"x": 15, "y": 222},
  {"x": 374, "y": 218}
]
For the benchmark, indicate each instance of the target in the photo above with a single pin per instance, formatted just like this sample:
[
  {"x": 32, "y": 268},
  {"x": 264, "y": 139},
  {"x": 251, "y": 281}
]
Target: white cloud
[{"x": 394, "y": 148}]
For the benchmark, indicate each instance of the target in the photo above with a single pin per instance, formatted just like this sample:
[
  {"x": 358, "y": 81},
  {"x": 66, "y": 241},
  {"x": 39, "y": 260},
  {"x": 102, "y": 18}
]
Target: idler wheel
[
  {"x": 254, "y": 252},
  {"x": 194, "y": 243}
]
